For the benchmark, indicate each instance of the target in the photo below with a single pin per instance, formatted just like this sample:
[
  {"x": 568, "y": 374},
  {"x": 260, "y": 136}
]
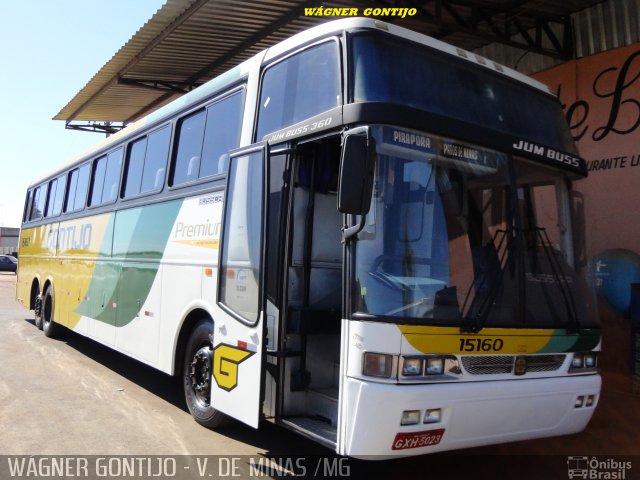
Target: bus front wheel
[
  {"x": 50, "y": 328},
  {"x": 196, "y": 377}
]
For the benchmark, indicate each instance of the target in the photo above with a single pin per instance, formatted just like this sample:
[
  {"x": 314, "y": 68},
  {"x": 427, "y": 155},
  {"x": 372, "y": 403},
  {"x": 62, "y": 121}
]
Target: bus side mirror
[{"x": 356, "y": 174}]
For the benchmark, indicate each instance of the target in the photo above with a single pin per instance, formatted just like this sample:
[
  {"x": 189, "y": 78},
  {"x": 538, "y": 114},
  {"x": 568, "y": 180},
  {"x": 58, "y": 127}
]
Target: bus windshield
[
  {"x": 391, "y": 70},
  {"x": 462, "y": 235}
]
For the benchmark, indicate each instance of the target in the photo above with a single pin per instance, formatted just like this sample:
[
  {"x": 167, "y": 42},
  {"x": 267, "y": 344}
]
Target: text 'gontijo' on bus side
[{"x": 362, "y": 234}]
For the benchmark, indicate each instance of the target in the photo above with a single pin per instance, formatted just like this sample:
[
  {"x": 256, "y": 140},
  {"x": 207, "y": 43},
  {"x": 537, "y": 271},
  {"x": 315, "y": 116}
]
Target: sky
[{"x": 49, "y": 51}]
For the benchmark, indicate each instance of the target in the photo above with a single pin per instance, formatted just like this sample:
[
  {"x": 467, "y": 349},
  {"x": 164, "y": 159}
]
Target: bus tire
[
  {"x": 50, "y": 328},
  {"x": 196, "y": 377},
  {"x": 37, "y": 311}
]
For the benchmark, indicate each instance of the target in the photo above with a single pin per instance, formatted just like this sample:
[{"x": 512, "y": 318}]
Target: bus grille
[{"x": 501, "y": 364}]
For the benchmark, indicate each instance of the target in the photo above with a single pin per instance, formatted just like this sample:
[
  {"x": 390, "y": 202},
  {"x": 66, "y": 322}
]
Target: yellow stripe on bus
[{"x": 449, "y": 340}]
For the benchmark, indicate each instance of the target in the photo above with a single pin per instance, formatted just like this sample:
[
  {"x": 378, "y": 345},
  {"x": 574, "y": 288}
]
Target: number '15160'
[{"x": 481, "y": 344}]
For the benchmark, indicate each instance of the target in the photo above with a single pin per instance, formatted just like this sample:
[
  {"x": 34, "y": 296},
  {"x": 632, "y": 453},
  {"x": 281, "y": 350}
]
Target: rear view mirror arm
[{"x": 348, "y": 232}]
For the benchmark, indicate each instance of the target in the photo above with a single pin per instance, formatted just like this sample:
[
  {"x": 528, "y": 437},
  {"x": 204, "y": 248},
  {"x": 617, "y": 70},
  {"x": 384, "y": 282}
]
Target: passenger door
[{"x": 238, "y": 336}]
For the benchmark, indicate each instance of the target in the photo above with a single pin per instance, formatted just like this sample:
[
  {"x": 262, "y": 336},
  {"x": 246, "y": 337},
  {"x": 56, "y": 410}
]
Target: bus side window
[
  {"x": 36, "y": 196},
  {"x": 53, "y": 187},
  {"x": 135, "y": 164},
  {"x": 112, "y": 176},
  {"x": 27, "y": 206},
  {"x": 155, "y": 160},
  {"x": 146, "y": 162},
  {"x": 37, "y": 209},
  {"x": 221, "y": 135},
  {"x": 82, "y": 188},
  {"x": 299, "y": 87},
  {"x": 189, "y": 139},
  {"x": 97, "y": 182},
  {"x": 78, "y": 186},
  {"x": 57, "y": 202},
  {"x": 71, "y": 193}
]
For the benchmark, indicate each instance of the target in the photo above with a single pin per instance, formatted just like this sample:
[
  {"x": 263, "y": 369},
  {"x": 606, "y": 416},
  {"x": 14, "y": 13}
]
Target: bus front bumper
[{"x": 472, "y": 414}]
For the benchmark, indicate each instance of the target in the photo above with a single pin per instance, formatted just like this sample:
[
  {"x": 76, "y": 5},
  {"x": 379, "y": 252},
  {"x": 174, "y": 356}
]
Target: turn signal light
[{"x": 377, "y": 365}]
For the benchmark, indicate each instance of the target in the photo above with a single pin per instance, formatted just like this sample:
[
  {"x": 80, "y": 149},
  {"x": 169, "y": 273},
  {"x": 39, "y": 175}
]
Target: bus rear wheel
[
  {"x": 50, "y": 328},
  {"x": 196, "y": 377}
]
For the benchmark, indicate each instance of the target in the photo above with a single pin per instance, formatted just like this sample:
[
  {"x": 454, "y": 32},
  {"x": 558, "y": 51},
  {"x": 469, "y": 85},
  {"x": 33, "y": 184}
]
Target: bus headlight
[
  {"x": 430, "y": 368},
  {"x": 578, "y": 360},
  {"x": 412, "y": 367},
  {"x": 590, "y": 360},
  {"x": 435, "y": 366},
  {"x": 377, "y": 365},
  {"x": 584, "y": 362}
]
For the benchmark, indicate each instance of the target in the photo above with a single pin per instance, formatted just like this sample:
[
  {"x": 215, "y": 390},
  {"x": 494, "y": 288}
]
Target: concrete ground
[{"x": 75, "y": 397}]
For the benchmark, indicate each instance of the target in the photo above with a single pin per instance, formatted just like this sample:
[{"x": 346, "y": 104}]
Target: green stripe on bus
[
  {"x": 562, "y": 341},
  {"x": 120, "y": 286}
]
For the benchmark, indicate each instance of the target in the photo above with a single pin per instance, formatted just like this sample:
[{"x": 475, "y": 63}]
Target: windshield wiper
[
  {"x": 474, "y": 323},
  {"x": 420, "y": 302},
  {"x": 561, "y": 279}
]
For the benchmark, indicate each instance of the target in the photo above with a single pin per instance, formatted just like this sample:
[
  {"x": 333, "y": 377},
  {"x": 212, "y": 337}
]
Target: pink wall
[{"x": 601, "y": 97}]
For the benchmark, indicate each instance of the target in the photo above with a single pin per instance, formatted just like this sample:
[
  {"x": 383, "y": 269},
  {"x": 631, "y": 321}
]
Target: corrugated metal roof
[
  {"x": 604, "y": 26},
  {"x": 188, "y": 42}
]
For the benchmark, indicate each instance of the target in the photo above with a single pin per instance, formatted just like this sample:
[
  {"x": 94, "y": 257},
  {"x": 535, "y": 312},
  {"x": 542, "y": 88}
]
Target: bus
[{"x": 362, "y": 234}]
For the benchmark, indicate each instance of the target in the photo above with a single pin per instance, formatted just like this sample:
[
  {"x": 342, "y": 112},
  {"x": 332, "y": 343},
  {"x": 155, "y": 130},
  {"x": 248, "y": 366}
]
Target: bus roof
[
  {"x": 360, "y": 22},
  {"x": 235, "y": 74}
]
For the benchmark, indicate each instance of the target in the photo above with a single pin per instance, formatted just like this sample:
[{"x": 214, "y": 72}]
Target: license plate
[{"x": 417, "y": 439}]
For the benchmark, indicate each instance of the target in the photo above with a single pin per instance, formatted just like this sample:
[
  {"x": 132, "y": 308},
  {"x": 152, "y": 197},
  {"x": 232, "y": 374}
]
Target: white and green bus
[{"x": 361, "y": 234}]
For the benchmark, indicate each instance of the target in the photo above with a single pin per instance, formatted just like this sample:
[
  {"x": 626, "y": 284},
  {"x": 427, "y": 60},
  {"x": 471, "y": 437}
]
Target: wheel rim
[{"x": 200, "y": 376}]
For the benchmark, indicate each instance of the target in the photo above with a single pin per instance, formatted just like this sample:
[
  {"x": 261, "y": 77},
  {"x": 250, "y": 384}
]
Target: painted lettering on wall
[
  {"x": 601, "y": 97},
  {"x": 614, "y": 162},
  {"x": 621, "y": 100}
]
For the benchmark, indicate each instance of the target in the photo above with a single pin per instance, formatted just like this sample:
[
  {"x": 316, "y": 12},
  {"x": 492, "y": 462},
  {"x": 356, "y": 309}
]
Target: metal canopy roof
[{"x": 188, "y": 42}]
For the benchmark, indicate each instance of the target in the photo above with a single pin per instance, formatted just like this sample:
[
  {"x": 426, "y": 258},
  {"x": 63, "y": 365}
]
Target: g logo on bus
[
  {"x": 226, "y": 359},
  {"x": 520, "y": 367}
]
